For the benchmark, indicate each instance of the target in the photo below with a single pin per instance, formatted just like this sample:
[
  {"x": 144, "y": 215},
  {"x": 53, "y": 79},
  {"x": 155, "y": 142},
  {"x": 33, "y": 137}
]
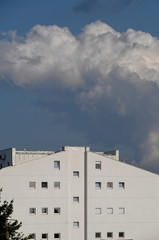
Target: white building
[{"x": 76, "y": 194}]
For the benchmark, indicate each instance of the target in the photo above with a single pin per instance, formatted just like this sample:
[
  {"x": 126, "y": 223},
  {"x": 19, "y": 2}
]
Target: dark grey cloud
[{"x": 109, "y": 6}]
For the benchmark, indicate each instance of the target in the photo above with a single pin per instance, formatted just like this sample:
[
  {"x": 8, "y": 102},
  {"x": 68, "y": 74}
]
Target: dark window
[
  {"x": 57, "y": 210},
  {"x": 121, "y": 234},
  {"x": 57, "y": 235},
  {"x": 44, "y": 185},
  {"x": 98, "y": 234},
  {"x": 109, "y": 235}
]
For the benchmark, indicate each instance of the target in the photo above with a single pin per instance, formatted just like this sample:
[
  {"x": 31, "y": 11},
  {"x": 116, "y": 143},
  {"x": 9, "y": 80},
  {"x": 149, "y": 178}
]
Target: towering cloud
[{"x": 111, "y": 80}]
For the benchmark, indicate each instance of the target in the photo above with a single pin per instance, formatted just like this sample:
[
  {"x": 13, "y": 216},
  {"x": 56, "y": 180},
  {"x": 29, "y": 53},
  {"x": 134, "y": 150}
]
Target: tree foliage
[{"x": 9, "y": 227}]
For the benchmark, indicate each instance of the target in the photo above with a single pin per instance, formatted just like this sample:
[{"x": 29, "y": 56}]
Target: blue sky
[{"x": 71, "y": 73}]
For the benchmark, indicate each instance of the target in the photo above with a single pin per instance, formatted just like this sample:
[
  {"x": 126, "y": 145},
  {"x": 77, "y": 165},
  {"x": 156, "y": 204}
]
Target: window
[
  {"x": 98, "y": 235},
  {"x": 121, "y": 210},
  {"x": 121, "y": 234},
  {"x": 76, "y": 224},
  {"x": 32, "y": 185},
  {"x": 57, "y": 185},
  {"x": 57, "y": 210},
  {"x": 98, "y": 165},
  {"x": 0, "y": 166},
  {"x": 109, "y": 234},
  {"x": 44, "y": 210},
  {"x": 76, "y": 199},
  {"x": 3, "y": 157},
  {"x": 57, "y": 235},
  {"x": 44, "y": 236},
  {"x": 109, "y": 210},
  {"x": 44, "y": 185},
  {"x": 57, "y": 165},
  {"x": 32, "y": 210},
  {"x": 98, "y": 211},
  {"x": 76, "y": 173},
  {"x": 33, "y": 236},
  {"x": 109, "y": 185},
  {"x": 98, "y": 185},
  {"x": 121, "y": 185}
]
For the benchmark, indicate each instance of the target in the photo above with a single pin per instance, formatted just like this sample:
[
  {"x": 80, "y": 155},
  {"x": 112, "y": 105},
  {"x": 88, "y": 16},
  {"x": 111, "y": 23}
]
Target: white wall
[{"x": 140, "y": 199}]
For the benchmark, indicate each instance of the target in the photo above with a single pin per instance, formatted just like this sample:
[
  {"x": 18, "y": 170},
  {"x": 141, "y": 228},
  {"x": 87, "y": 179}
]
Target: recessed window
[
  {"x": 33, "y": 236},
  {"x": 32, "y": 185},
  {"x": 76, "y": 199},
  {"x": 57, "y": 210},
  {"x": 44, "y": 210},
  {"x": 121, "y": 234},
  {"x": 57, "y": 235},
  {"x": 109, "y": 185},
  {"x": 109, "y": 234},
  {"x": 121, "y": 185},
  {"x": 98, "y": 185},
  {"x": 44, "y": 184},
  {"x": 32, "y": 211},
  {"x": 98, "y": 165},
  {"x": 121, "y": 210},
  {"x": 57, "y": 185},
  {"x": 98, "y": 211},
  {"x": 76, "y": 224},
  {"x": 76, "y": 173},
  {"x": 98, "y": 235},
  {"x": 109, "y": 210},
  {"x": 44, "y": 236},
  {"x": 57, "y": 165}
]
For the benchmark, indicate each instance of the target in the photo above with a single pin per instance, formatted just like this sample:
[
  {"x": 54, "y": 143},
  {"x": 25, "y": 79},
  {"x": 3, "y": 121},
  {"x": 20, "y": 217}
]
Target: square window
[
  {"x": 44, "y": 185},
  {"x": 57, "y": 165},
  {"x": 76, "y": 224},
  {"x": 98, "y": 211},
  {"x": 57, "y": 235},
  {"x": 121, "y": 210},
  {"x": 57, "y": 185},
  {"x": 109, "y": 185},
  {"x": 109, "y": 210},
  {"x": 44, "y": 236},
  {"x": 44, "y": 210},
  {"x": 98, "y": 165},
  {"x": 121, "y": 234},
  {"x": 76, "y": 199},
  {"x": 33, "y": 236},
  {"x": 32, "y": 210},
  {"x": 109, "y": 234},
  {"x": 98, "y": 185},
  {"x": 76, "y": 173},
  {"x": 57, "y": 210},
  {"x": 32, "y": 185},
  {"x": 121, "y": 185},
  {"x": 98, "y": 235}
]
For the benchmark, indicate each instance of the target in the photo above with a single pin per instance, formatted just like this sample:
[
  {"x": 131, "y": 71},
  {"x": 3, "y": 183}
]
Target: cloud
[
  {"x": 102, "y": 83},
  {"x": 109, "y": 6}
]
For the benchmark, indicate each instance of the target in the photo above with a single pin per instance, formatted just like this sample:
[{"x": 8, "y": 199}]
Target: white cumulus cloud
[{"x": 113, "y": 75}]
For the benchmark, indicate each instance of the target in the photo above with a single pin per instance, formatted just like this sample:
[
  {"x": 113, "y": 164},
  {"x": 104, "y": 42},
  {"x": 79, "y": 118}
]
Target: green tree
[{"x": 9, "y": 227}]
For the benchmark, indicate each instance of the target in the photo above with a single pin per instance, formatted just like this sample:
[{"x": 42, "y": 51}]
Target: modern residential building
[{"x": 78, "y": 194}]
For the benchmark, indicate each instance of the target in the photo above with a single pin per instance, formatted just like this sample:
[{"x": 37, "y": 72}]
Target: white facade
[{"x": 78, "y": 194}]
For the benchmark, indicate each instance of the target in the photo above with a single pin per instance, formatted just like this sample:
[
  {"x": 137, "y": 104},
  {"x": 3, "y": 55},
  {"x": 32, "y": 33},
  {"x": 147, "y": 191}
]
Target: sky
[{"x": 82, "y": 72}]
